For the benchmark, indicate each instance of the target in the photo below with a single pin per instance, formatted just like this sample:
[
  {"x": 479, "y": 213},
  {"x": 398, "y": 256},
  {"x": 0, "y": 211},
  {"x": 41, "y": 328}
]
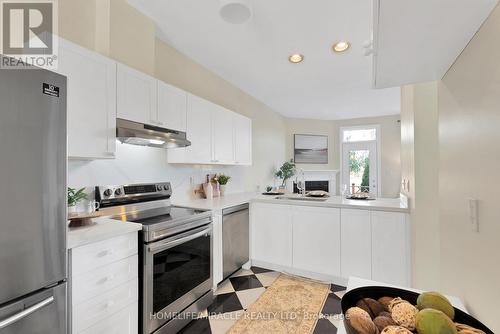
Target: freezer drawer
[
  {"x": 235, "y": 239},
  {"x": 40, "y": 313}
]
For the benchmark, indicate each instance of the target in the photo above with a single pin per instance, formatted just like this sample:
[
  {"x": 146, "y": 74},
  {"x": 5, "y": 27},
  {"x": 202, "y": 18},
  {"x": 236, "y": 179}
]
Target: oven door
[{"x": 177, "y": 271}]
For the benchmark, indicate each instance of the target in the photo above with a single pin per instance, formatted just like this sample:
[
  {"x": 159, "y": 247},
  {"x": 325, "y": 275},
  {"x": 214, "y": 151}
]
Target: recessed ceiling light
[
  {"x": 296, "y": 58},
  {"x": 341, "y": 46}
]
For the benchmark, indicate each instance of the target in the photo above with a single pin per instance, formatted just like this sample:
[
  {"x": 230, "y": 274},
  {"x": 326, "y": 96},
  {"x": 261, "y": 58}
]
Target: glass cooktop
[{"x": 168, "y": 214}]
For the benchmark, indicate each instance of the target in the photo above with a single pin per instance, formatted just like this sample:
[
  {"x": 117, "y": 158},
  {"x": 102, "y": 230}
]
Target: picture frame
[{"x": 310, "y": 149}]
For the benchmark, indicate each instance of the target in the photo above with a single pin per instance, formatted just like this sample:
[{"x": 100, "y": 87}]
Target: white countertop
[
  {"x": 355, "y": 282},
  {"x": 379, "y": 204},
  {"x": 217, "y": 203},
  {"x": 103, "y": 228},
  {"x": 230, "y": 200}
]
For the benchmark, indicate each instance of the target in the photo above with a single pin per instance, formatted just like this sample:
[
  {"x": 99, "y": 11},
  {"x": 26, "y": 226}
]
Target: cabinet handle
[
  {"x": 109, "y": 304},
  {"x": 106, "y": 279},
  {"x": 106, "y": 252}
]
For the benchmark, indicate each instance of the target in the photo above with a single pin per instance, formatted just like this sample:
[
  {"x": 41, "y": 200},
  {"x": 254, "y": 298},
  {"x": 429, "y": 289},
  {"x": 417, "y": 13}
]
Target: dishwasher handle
[{"x": 235, "y": 209}]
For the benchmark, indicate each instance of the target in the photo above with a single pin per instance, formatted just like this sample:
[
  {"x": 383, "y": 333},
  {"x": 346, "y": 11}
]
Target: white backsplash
[{"x": 137, "y": 164}]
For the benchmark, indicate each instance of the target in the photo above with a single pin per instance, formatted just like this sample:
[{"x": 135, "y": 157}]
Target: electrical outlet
[{"x": 474, "y": 214}]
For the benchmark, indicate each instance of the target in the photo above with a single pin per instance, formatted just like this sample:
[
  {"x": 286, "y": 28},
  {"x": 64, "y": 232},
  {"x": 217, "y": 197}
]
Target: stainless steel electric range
[{"x": 176, "y": 253}]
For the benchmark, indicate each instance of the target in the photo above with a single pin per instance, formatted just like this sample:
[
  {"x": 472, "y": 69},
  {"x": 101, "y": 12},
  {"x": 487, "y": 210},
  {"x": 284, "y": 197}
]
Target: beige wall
[
  {"x": 268, "y": 126},
  {"x": 450, "y": 153},
  {"x": 419, "y": 165},
  {"x": 469, "y": 135},
  {"x": 389, "y": 143},
  {"x": 115, "y": 29}
]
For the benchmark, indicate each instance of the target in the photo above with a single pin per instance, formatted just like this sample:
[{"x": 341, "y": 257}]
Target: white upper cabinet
[
  {"x": 242, "y": 133},
  {"x": 217, "y": 135},
  {"x": 136, "y": 96},
  {"x": 222, "y": 132},
  {"x": 172, "y": 107},
  {"x": 199, "y": 131},
  {"x": 91, "y": 102},
  {"x": 419, "y": 40}
]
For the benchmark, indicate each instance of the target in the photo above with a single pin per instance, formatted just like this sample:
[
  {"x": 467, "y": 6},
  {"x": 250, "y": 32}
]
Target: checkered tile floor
[{"x": 237, "y": 293}]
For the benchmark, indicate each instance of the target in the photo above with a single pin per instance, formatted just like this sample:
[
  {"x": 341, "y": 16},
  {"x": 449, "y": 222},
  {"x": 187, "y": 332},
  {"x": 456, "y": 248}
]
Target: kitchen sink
[{"x": 302, "y": 198}]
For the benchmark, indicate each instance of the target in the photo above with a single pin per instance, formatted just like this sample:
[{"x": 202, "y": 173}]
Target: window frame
[{"x": 379, "y": 151}]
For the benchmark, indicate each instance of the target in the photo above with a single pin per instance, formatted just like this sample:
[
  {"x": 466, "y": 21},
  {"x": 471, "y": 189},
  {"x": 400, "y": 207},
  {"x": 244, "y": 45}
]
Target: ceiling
[{"x": 254, "y": 56}]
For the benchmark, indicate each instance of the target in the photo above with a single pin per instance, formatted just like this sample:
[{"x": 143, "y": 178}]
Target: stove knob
[
  {"x": 107, "y": 192},
  {"x": 159, "y": 188},
  {"x": 165, "y": 187},
  {"x": 118, "y": 192}
]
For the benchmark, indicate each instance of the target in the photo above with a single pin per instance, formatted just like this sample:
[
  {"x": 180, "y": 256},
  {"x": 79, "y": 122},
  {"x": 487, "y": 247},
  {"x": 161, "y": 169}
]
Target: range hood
[{"x": 135, "y": 133}]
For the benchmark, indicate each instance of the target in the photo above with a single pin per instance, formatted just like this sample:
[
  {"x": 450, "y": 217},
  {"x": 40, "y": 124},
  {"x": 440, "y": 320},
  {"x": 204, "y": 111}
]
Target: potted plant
[
  {"x": 75, "y": 197},
  {"x": 223, "y": 180},
  {"x": 286, "y": 171}
]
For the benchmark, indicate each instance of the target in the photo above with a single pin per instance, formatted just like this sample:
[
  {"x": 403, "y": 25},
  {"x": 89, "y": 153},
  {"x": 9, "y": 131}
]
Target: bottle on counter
[{"x": 208, "y": 188}]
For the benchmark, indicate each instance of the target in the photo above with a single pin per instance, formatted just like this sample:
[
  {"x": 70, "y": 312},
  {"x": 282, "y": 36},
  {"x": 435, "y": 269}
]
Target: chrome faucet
[{"x": 301, "y": 185}]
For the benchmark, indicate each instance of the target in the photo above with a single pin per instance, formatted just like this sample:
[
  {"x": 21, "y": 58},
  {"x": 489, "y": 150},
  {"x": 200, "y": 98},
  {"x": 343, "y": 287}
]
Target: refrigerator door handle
[{"x": 23, "y": 314}]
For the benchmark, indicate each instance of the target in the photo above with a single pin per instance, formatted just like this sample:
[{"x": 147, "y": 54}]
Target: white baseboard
[{"x": 304, "y": 273}]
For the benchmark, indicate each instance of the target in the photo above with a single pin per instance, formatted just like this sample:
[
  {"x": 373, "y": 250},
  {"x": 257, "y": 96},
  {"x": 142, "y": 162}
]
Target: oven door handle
[{"x": 169, "y": 244}]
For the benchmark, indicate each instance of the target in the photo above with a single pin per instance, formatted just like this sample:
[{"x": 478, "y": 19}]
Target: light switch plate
[{"x": 474, "y": 214}]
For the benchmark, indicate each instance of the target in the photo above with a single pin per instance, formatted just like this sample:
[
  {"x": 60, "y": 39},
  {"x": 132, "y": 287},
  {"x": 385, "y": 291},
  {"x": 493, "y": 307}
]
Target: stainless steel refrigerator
[{"x": 32, "y": 202}]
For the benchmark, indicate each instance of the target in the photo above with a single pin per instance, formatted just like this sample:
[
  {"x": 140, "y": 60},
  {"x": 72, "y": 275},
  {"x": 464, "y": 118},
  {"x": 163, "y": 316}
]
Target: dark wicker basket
[{"x": 352, "y": 297}]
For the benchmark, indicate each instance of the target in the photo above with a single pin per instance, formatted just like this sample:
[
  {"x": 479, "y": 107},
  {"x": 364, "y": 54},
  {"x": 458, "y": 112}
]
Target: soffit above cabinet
[{"x": 419, "y": 40}]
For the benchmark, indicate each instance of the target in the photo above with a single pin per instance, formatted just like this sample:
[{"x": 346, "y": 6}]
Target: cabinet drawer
[
  {"x": 123, "y": 322},
  {"x": 100, "y": 280},
  {"x": 98, "y": 254},
  {"x": 104, "y": 306}
]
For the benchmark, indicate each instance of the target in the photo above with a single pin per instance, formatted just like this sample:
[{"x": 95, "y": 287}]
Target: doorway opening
[{"x": 360, "y": 160}]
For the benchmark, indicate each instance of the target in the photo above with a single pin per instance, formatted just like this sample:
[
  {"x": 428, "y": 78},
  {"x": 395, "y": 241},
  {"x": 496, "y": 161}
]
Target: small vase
[{"x": 222, "y": 189}]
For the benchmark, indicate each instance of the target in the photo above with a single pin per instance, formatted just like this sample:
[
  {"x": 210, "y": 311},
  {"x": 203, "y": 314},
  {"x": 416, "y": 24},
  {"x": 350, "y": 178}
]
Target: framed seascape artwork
[{"x": 311, "y": 149}]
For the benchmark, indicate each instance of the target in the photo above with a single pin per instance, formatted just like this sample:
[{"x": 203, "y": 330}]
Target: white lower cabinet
[
  {"x": 104, "y": 286},
  {"x": 271, "y": 234},
  {"x": 123, "y": 322},
  {"x": 356, "y": 243},
  {"x": 316, "y": 240},
  {"x": 331, "y": 242},
  {"x": 390, "y": 248}
]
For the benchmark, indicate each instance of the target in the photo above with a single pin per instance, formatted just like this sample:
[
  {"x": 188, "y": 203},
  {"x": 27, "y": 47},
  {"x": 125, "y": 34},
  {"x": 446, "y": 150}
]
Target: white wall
[
  {"x": 469, "y": 137},
  {"x": 137, "y": 164},
  {"x": 390, "y": 143},
  {"x": 420, "y": 166},
  {"x": 119, "y": 31}
]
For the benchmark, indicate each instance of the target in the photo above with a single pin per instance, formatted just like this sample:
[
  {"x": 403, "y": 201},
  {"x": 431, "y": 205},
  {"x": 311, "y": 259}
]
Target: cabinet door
[
  {"x": 390, "y": 242},
  {"x": 316, "y": 240},
  {"x": 172, "y": 105},
  {"x": 91, "y": 102},
  {"x": 356, "y": 243},
  {"x": 124, "y": 321},
  {"x": 242, "y": 133},
  {"x": 199, "y": 131},
  {"x": 136, "y": 96},
  {"x": 271, "y": 234},
  {"x": 222, "y": 132}
]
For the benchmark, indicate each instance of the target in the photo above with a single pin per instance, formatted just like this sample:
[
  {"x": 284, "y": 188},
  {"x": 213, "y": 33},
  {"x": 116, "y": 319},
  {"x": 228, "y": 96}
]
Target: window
[
  {"x": 360, "y": 160},
  {"x": 355, "y": 135}
]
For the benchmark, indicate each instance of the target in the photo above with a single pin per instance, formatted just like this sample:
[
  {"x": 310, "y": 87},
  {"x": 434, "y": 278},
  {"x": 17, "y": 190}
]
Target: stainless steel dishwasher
[{"x": 235, "y": 238}]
